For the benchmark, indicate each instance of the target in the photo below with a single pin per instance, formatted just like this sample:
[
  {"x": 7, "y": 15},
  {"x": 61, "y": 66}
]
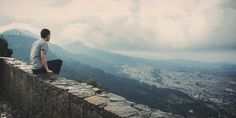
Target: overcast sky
[{"x": 138, "y": 27}]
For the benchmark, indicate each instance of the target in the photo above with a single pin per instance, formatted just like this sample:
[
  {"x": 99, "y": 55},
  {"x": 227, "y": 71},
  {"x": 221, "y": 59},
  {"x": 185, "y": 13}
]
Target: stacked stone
[
  {"x": 52, "y": 96},
  {"x": 7, "y": 110}
]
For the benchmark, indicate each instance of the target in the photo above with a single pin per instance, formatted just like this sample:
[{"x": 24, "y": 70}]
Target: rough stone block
[{"x": 97, "y": 100}]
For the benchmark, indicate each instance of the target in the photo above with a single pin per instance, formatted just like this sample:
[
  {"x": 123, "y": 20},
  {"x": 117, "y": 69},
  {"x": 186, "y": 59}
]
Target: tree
[
  {"x": 4, "y": 50},
  {"x": 92, "y": 82}
]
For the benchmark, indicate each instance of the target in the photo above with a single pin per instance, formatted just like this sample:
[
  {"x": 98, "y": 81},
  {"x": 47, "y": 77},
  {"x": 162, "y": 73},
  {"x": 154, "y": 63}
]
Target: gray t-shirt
[{"x": 35, "y": 54}]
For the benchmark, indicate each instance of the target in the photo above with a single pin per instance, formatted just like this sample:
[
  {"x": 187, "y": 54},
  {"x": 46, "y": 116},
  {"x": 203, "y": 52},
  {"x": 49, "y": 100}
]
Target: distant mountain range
[
  {"x": 113, "y": 63},
  {"x": 160, "y": 84}
]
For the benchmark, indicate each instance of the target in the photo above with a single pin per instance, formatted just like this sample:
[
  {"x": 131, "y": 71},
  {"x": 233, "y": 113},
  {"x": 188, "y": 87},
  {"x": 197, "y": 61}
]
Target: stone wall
[
  {"x": 1, "y": 74},
  {"x": 52, "y": 96}
]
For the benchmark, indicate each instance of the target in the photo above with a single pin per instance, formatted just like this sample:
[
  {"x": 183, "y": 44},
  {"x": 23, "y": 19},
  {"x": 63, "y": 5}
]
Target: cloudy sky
[{"x": 202, "y": 30}]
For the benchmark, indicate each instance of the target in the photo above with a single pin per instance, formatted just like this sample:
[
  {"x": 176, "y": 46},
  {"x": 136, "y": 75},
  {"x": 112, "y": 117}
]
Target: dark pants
[{"x": 54, "y": 65}]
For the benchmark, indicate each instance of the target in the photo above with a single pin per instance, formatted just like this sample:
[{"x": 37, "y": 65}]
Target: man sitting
[{"x": 38, "y": 57}]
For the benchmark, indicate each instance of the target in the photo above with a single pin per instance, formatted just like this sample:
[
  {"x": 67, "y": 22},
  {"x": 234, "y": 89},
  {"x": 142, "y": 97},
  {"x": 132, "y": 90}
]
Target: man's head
[{"x": 45, "y": 34}]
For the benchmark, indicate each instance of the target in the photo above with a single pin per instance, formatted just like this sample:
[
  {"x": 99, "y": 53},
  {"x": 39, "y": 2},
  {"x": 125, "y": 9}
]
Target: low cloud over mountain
[{"x": 131, "y": 25}]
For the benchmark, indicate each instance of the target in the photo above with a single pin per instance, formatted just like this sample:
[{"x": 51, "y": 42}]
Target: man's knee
[{"x": 59, "y": 61}]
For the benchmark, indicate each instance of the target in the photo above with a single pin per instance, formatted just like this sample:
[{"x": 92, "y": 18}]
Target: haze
[{"x": 155, "y": 29}]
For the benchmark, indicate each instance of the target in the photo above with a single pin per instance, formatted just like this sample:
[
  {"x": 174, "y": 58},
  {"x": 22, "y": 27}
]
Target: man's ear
[{"x": 48, "y": 37}]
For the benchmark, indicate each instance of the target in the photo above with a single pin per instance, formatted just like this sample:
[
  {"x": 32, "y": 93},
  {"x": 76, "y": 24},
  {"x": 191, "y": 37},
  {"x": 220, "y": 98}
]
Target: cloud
[
  {"x": 136, "y": 25},
  {"x": 29, "y": 27}
]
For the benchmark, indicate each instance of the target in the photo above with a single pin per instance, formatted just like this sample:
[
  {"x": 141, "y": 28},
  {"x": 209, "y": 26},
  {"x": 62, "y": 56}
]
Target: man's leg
[
  {"x": 42, "y": 70},
  {"x": 55, "y": 65}
]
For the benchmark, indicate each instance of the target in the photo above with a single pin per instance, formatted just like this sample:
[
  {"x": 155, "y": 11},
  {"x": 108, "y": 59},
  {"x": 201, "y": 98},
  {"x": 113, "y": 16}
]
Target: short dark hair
[{"x": 44, "y": 33}]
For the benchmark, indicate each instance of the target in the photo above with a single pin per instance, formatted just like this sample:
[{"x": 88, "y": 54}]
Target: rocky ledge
[{"x": 53, "y": 96}]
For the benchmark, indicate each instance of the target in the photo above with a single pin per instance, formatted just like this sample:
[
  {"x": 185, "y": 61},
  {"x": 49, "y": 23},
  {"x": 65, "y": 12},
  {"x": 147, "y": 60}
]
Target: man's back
[
  {"x": 35, "y": 53},
  {"x": 38, "y": 58}
]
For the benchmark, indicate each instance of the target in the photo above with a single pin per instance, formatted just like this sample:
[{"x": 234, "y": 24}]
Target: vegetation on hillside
[
  {"x": 4, "y": 50},
  {"x": 92, "y": 82}
]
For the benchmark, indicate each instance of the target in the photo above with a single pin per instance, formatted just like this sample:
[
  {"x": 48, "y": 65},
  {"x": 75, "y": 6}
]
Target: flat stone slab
[
  {"x": 97, "y": 90},
  {"x": 97, "y": 100},
  {"x": 82, "y": 93},
  {"x": 121, "y": 109},
  {"x": 115, "y": 98}
]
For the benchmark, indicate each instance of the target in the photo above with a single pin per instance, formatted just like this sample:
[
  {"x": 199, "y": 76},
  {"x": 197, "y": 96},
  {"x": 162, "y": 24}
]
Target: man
[{"x": 38, "y": 57}]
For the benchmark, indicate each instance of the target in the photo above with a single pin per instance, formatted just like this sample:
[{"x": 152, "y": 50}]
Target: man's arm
[{"x": 44, "y": 61}]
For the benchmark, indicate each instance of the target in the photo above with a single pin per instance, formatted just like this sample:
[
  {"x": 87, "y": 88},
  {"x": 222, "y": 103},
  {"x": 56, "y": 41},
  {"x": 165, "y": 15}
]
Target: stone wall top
[{"x": 55, "y": 96}]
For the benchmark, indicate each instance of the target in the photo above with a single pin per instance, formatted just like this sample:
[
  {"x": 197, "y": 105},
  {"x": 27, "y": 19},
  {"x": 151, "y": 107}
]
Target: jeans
[{"x": 54, "y": 65}]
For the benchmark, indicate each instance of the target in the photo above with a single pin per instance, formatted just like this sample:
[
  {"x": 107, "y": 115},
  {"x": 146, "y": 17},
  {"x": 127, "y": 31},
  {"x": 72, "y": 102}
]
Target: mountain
[
  {"x": 20, "y": 32},
  {"x": 83, "y": 58},
  {"x": 100, "y": 54},
  {"x": 168, "y": 85},
  {"x": 117, "y": 61},
  {"x": 20, "y": 41},
  {"x": 113, "y": 58}
]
